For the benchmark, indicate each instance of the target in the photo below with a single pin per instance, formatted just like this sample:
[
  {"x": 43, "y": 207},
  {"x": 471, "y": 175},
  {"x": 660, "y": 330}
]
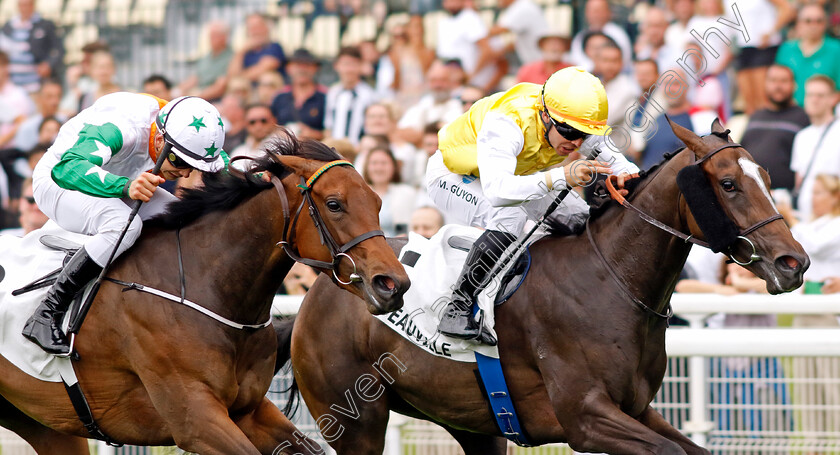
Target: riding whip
[{"x": 79, "y": 316}]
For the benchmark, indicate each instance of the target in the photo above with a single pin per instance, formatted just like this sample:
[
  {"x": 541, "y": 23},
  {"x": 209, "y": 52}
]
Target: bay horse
[
  {"x": 159, "y": 373},
  {"x": 581, "y": 359}
]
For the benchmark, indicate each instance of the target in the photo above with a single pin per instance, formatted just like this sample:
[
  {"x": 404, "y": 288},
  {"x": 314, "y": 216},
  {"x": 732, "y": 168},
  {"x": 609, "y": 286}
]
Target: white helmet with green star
[{"x": 194, "y": 129}]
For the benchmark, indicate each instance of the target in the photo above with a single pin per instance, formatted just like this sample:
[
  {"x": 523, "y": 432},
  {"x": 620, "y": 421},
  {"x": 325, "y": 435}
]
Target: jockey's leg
[{"x": 103, "y": 218}]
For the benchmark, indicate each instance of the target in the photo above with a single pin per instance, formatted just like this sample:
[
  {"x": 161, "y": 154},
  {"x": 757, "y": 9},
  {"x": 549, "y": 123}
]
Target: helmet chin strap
[{"x": 547, "y": 127}]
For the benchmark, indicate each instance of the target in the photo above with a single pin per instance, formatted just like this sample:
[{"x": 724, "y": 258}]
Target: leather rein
[
  {"x": 688, "y": 238},
  {"x": 336, "y": 251}
]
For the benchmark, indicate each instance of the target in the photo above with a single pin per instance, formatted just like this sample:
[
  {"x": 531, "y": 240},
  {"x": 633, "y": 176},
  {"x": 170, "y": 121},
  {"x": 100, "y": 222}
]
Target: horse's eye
[
  {"x": 333, "y": 206},
  {"x": 728, "y": 185}
]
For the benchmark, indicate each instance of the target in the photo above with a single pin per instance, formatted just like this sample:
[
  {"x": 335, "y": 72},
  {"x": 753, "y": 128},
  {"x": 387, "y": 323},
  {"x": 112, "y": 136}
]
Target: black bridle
[{"x": 336, "y": 251}]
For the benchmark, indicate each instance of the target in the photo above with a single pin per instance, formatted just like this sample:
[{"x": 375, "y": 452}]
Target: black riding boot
[
  {"x": 44, "y": 327},
  {"x": 458, "y": 320}
]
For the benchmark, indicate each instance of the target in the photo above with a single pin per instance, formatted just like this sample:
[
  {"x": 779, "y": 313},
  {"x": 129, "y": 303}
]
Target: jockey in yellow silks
[
  {"x": 101, "y": 162},
  {"x": 493, "y": 162}
]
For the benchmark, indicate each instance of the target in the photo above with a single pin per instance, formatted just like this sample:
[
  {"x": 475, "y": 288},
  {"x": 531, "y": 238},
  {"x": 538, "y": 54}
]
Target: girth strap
[{"x": 80, "y": 403}]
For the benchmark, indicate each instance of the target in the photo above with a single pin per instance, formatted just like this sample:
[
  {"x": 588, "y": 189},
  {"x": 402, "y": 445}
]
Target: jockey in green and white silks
[{"x": 100, "y": 161}]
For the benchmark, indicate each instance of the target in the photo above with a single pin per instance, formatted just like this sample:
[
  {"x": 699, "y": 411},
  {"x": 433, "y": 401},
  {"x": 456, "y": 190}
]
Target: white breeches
[
  {"x": 102, "y": 218},
  {"x": 462, "y": 200}
]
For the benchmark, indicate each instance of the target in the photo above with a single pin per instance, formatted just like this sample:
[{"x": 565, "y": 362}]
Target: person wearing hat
[
  {"x": 99, "y": 162},
  {"x": 492, "y": 168},
  {"x": 553, "y": 46},
  {"x": 300, "y": 106}
]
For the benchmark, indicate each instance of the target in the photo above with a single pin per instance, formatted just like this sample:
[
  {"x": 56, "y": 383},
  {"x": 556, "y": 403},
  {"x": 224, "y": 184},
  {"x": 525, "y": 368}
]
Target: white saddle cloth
[
  {"x": 23, "y": 260},
  {"x": 433, "y": 277}
]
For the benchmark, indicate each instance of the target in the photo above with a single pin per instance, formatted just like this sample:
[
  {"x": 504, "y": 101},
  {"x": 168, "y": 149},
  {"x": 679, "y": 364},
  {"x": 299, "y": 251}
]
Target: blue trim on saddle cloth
[{"x": 495, "y": 387}]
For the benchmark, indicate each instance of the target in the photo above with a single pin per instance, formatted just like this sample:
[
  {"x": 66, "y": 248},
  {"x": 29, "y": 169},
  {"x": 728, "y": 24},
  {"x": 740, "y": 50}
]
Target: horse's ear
[
  {"x": 691, "y": 140},
  {"x": 718, "y": 129}
]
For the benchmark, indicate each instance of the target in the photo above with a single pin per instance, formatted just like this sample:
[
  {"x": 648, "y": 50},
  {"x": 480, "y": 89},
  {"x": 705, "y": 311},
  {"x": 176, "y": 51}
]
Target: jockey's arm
[
  {"x": 80, "y": 166},
  {"x": 499, "y": 142}
]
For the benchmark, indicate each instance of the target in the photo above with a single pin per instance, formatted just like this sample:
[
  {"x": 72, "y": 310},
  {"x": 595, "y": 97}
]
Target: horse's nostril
[
  {"x": 385, "y": 284},
  {"x": 788, "y": 262}
]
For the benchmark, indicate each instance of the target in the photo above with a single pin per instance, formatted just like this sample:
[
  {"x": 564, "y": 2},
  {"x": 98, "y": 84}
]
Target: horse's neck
[
  {"x": 245, "y": 267},
  {"x": 646, "y": 258}
]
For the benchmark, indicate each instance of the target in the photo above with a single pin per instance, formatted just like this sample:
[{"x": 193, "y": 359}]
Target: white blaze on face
[{"x": 751, "y": 170}]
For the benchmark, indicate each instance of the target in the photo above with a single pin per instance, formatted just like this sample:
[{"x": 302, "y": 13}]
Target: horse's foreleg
[
  {"x": 478, "y": 444},
  {"x": 657, "y": 423},
  {"x": 272, "y": 432},
  {"x": 600, "y": 426}
]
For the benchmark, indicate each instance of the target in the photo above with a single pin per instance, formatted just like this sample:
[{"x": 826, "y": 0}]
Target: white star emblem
[
  {"x": 99, "y": 171},
  {"x": 102, "y": 151}
]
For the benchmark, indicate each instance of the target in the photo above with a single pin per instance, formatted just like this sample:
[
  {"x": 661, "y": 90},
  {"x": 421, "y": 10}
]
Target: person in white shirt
[
  {"x": 348, "y": 98},
  {"x": 493, "y": 161},
  {"x": 463, "y": 36},
  {"x": 15, "y": 104},
  {"x": 436, "y": 106},
  {"x": 815, "y": 147},
  {"x": 622, "y": 91},
  {"x": 651, "y": 43},
  {"x": 526, "y": 21},
  {"x": 598, "y": 17}
]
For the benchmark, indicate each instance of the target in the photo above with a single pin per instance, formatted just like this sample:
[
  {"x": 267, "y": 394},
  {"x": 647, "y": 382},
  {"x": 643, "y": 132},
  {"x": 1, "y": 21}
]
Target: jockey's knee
[{"x": 133, "y": 232}]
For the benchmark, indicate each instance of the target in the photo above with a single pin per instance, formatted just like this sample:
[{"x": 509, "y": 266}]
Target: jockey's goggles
[{"x": 177, "y": 162}]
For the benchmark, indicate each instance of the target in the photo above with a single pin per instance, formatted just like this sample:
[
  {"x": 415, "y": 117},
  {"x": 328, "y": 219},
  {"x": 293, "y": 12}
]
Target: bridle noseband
[
  {"x": 336, "y": 251},
  {"x": 689, "y": 238}
]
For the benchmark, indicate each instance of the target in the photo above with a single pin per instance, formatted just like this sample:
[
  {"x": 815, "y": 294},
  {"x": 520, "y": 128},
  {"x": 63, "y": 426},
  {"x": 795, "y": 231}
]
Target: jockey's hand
[
  {"x": 582, "y": 172},
  {"x": 620, "y": 180},
  {"x": 144, "y": 186}
]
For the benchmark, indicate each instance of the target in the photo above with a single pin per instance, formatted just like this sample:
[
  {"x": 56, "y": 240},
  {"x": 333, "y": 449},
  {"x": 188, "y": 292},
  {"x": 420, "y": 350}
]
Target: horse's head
[
  {"x": 337, "y": 229},
  {"x": 727, "y": 202}
]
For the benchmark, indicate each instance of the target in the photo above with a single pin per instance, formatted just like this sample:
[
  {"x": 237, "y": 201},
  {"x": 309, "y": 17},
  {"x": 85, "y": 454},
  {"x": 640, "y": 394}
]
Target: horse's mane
[
  {"x": 227, "y": 189},
  {"x": 603, "y": 202}
]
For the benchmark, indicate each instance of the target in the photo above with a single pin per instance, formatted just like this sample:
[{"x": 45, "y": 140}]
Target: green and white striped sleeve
[{"x": 80, "y": 167}]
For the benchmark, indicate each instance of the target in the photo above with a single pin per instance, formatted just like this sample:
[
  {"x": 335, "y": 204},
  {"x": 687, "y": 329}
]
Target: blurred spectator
[
  {"x": 469, "y": 96},
  {"x": 526, "y": 21},
  {"x": 622, "y": 91},
  {"x": 232, "y": 109},
  {"x": 437, "y": 105},
  {"x": 47, "y": 101},
  {"x": 813, "y": 52},
  {"x": 598, "y": 15},
  {"x": 664, "y": 140},
  {"x": 158, "y": 86},
  {"x": 102, "y": 71},
  {"x": 380, "y": 121},
  {"x": 367, "y": 143},
  {"x": 370, "y": 61},
  {"x": 401, "y": 69},
  {"x": 708, "y": 97},
  {"x": 648, "y": 106},
  {"x": 348, "y": 98},
  {"x": 553, "y": 47},
  {"x": 651, "y": 42},
  {"x": 15, "y": 105},
  {"x": 36, "y": 154},
  {"x": 269, "y": 86},
  {"x": 457, "y": 76},
  {"x": 78, "y": 79},
  {"x": 708, "y": 13},
  {"x": 48, "y": 130},
  {"x": 210, "y": 78},
  {"x": 770, "y": 131},
  {"x": 299, "y": 279},
  {"x": 463, "y": 36},
  {"x": 815, "y": 147},
  {"x": 301, "y": 105},
  {"x": 34, "y": 48},
  {"x": 260, "y": 124},
  {"x": 398, "y": 200},
  {"x": 426, "y": 221},
  {"x": 260, "y": 54},
  {"x": 820, "y": 239},
  {"x": 343, "y": 147},
  {"x": 681, "y": 11},
  {"x": 31, "y": 217},
  {"x": 239, "y": 87},
  {"x": 764, "y": 19},
  {"x": 593, "y": 41}
]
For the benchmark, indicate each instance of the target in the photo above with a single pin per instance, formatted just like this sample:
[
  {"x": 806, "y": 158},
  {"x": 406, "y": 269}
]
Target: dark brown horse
[
  {"x": 582, "y": 361},
  {"x": 156, "y": 372}
]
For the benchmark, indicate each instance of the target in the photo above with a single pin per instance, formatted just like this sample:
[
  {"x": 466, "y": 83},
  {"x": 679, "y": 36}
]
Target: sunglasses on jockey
[
  {"x": 176, "y": 161},
  {"x": 567, "y": 131}
]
